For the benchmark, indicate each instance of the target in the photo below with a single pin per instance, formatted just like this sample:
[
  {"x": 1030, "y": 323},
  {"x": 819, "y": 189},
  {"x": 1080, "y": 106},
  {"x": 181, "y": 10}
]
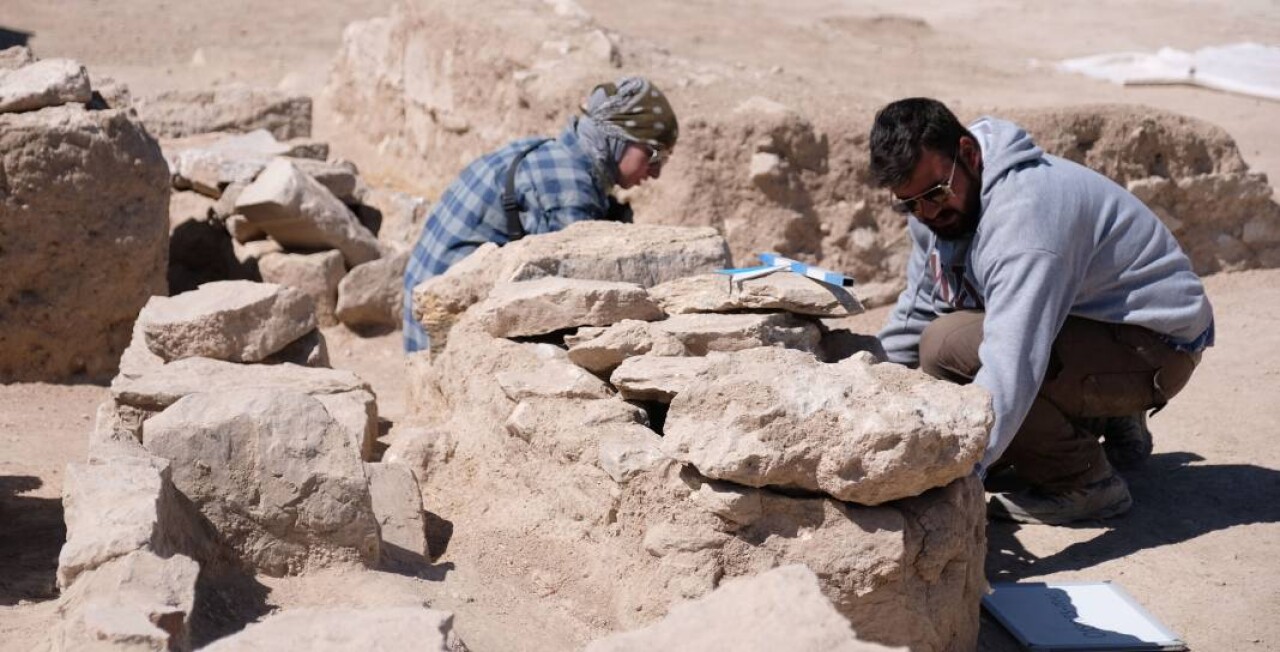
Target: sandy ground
[{"x": 1200, "y": 548}]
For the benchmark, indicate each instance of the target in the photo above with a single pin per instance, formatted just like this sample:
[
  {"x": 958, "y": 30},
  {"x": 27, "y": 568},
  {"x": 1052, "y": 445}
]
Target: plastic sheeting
[{"x": 1245, "y": 68}]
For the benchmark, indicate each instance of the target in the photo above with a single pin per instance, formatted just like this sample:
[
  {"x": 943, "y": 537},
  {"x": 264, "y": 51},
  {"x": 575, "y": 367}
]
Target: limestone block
[
  {"x": 732, "y": 502},
  {"x": 372, "y": 293},
  {"x": 339, "y": 177},
  {"x": 298, "y": 212},
  {"x": 236, "y": 109},
  {"x": 84, "y": 217},
  {"x": 114, "y": 507},
  {"x": 238, "y": 321},
  {"x": 397, "y": 504},
  {"x": 627, "y": 452},
  {"x": 703, "y": 333},
  {"x": 859, "y": 431},
  {"x": 551, "y": 304},
  {"x": 569, "y": 430},
  {"x": 50, "y": 82},
  {"x": 241, "y": 229},
  {"x": 554, "y": 379},
  {"x": 138, "y": 359},
  {"x": 210, "y": 167},
  {"x": 317, "y": 275},
  {"x": 15, "y": 57},
  {"x": 601, "y": 350},
  {"x": 112, "y": 436},
  {"x": 782, "y": 609},
  {"x": 656, "y": 378},
  {"x": 387, "y": 629},
  {"x": 161, "y": 388},
  {"x": 605, "y": 251},
  {"x": 274, "y": 473},
  {"x": 418, "y": 448},
  {"x": 137, "y": 602},
  {"x": 778, "y": 291},
  {"x": 357, "y": 412}
]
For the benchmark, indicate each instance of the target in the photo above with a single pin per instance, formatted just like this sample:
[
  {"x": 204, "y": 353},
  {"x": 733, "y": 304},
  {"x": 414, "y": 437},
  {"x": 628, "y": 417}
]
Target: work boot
[
  {"x": 1127, "y": 441},
  {"x": 1102, "y": 499}
]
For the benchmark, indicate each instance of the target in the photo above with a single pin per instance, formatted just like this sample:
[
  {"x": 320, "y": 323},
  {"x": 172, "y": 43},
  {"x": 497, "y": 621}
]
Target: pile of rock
[
  {"x": 667, "y": 428},
  {"x": 248, "y": 206},
  {"x": 228, "y": 446},
  {"x": 82, "y": 219}
]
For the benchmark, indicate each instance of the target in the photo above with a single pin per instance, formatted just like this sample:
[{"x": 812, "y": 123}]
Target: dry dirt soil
[{"x": 1201, "y": 548}]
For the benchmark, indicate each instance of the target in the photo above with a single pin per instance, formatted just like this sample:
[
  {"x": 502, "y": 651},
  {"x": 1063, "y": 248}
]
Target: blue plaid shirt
[{"x": 558, "y": 184}]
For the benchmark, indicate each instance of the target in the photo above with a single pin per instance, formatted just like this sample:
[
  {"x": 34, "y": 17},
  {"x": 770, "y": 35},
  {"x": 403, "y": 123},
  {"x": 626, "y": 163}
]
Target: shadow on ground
[
  {"x": 31, "y": 535},
  {"x": 1174, "y": 501}
]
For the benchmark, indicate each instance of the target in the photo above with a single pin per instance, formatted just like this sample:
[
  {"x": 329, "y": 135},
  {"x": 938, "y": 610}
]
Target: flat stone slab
[
  {"x": 237, "y": 321},
  {"x": 656, "y": 378},
  {"x": 159, "y": 389},
  {"x": 601, "y": 350},
  {"x": 782, "y": 609},
  {"x": 298, "y": 212},
  {"x": 397, "y": 504},
  {"x": 50, "y": 82},
  {"x": 861, "y": 432},
  {"x": 784, "y": 291},
  {"x": 552, "y": 304},
  {"x": 337, "y": 629},
  {"x": 704, "y": 333}
]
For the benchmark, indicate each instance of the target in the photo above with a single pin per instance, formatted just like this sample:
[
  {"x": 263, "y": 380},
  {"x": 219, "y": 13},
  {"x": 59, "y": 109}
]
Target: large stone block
[
  {"x": 782, "y": 609},
  {"x": 137, "y": 602},
  {"x": 387, "y": 629},
  {"x": 317, "y": 275},
  {"x": 298, "y": 212},
  {"x": 231, "y": 109},
  {"x": 861, "y": 432},
  {"x": 371, "y": 294},
  {"x": 83, "y": 219},
  {"x": 115, "y": 506},
  {"x": 553, "y": 304},
  {"x": 51, "y": 82},
  {"x": 237, "y": 321},
  {"x": 778, "y": 291},
  {"x": 274, "y": 473}
]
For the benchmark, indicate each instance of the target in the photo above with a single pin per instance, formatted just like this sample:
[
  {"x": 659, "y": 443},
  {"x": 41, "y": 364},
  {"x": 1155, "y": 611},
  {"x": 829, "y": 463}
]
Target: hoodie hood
[{"x": 1005, "y": 146}]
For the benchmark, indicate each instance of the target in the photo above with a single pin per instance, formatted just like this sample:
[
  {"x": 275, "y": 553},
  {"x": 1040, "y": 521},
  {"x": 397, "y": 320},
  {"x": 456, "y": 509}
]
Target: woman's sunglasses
[{"x": 939, "y": 193}]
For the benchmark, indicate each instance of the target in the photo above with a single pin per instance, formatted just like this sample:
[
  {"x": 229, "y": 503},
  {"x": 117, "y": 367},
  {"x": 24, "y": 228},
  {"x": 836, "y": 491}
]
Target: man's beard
[{"x": 958, "y": 225}]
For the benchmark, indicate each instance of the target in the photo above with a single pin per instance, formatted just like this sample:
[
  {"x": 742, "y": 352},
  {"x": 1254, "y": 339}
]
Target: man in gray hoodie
[{"x": 1046, "y": 284}]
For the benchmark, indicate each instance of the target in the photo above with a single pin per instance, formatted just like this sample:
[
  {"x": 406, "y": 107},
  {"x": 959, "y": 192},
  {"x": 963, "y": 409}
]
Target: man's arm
[
  {"x": 1028, "y": 297},
  {"x": 900, "y": 336}
]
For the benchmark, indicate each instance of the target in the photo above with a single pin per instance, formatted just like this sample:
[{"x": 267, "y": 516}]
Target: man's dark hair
[{"x": 903, "y": 129}]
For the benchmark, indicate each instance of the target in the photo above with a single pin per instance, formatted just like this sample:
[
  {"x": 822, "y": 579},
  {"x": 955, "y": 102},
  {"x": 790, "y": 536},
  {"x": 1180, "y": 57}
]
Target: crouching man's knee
[{"x": 949, "y": 346}]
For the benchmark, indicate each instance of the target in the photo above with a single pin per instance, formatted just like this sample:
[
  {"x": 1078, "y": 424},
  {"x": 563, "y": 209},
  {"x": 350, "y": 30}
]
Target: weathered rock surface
[
  {"x": 277, "y": 476},
  {"x": 656, "y": 378},
  {"x": 397, "y": 504},
  {"x": 15, "y": 57},
  {"x": 418, "y": 448},
  {"x": 387, "y": 629},
  {"x": 625, "y": 453},
  {"x": 552, "y": 304},
  {"x": 317, "y": 275},
  {"x": 137, "y": 602},
  {"x": 238, "y": 321},
  {"x": 778, "y": 291},
  {"x": 571, "y": 429},
  {"x": 371, "y": 294},
  {"x": 703, "y": 333},
  {"x": 555, "y": 378},
  {"x": 859, "y": 431},
  {"x": 158, "y": 389},
  {"x": 338, "y": 177},
  {"x": 593, "y": 250},
  {"x": 310, "y": 350},
  {"x": 50, "y": 82},
  {"x": 117, "y": 506},
  {"x": 782, "y": 609},
  {"x": 298, "y": 212},
  {"x": 601, "y": 350},
  {"x": 232, "y": 109},
  {"x": 86, "y": 199}
]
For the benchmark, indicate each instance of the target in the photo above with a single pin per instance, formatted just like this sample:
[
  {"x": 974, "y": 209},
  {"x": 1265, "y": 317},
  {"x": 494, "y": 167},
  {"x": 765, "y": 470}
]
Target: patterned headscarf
[{"x": 635, "y": 110}]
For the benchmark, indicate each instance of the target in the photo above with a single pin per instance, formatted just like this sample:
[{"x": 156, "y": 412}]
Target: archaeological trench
[{"x": 664, "y": 459}]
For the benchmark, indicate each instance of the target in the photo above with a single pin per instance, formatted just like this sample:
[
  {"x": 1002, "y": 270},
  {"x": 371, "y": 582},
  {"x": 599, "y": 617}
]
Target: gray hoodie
[{"x": 1054, "y": 239}]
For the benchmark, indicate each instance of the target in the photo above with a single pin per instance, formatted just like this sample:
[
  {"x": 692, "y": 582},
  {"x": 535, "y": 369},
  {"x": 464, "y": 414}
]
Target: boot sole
[{"x": 996, "y": 509}]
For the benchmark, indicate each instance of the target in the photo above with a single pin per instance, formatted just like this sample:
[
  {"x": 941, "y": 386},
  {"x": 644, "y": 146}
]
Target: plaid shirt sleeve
[{"x": 557, "y": 183}]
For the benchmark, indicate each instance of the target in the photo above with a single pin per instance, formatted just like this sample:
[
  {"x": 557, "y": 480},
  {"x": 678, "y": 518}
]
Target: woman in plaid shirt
[{"x": 624, "y": 135}]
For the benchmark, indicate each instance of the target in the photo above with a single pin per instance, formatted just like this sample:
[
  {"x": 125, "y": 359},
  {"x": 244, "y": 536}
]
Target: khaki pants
[{"x": 1095, "y": 370}]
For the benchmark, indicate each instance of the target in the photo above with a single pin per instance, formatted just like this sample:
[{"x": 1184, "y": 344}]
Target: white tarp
[{"x": 1246, "y": 68}]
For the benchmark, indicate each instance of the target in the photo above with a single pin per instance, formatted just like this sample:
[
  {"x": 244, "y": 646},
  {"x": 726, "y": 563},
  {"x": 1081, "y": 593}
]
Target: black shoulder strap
[{"x": 510, "y": 201}]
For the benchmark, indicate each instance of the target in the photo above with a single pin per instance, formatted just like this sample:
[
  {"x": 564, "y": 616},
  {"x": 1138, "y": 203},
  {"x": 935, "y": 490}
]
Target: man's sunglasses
[
  {"x": 657, "y": 156},
  {"x": 939, "y": 193}
]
